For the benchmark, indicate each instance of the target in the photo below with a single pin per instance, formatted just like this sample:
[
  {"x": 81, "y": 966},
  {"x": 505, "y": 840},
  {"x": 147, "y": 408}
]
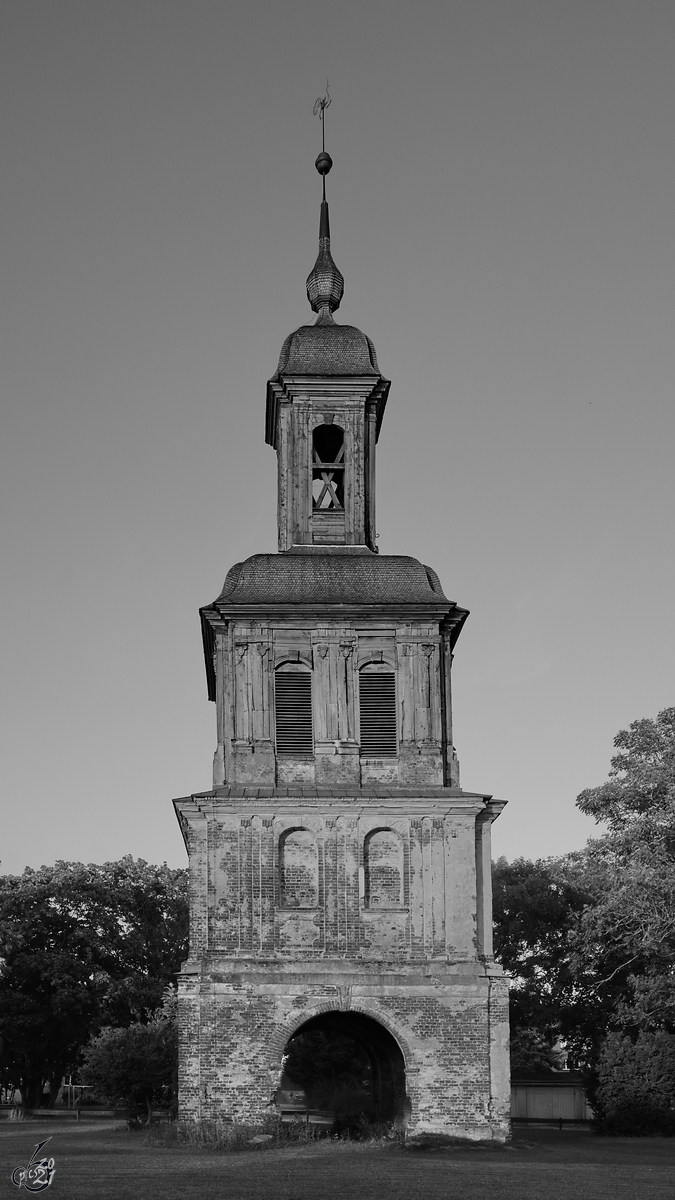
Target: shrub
[
  {"x": 137, "y": 1066},
  {"x": 635, "y": 1095},
  {"x": 230, "y": 1136}
]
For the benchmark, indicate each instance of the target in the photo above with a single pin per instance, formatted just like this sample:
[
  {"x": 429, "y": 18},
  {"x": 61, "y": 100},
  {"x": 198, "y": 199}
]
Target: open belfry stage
[{"x": 339, "y": 876}]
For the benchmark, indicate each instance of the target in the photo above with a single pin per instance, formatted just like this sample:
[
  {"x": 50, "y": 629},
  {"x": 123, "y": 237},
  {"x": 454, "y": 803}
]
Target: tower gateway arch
[{"x": 339, "y": 875}]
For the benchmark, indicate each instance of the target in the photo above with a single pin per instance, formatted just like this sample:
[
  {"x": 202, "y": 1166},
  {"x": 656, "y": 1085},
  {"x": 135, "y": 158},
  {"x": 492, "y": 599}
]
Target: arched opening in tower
[
  {"x": 344, "y": 1063},
  {"x": 328, "y": 469}
]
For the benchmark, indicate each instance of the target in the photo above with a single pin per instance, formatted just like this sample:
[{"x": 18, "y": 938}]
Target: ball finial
[{"x": 323, "y": 163}]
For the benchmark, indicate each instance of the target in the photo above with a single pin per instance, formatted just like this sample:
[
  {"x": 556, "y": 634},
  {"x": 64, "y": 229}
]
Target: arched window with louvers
[
  {"x": 383, "y": 869},
  {"x": 377, "y": 711},
  {"x": 293, "y": 711}
]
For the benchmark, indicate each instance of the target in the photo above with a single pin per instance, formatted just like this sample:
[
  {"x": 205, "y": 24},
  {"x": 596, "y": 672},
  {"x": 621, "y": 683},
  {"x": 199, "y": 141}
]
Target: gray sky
[{"x": 502, "y": 211}]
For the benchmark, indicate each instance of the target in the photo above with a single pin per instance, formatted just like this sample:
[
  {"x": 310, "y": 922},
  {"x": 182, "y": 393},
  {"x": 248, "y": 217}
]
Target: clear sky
[{"x": 502, "y": 211}]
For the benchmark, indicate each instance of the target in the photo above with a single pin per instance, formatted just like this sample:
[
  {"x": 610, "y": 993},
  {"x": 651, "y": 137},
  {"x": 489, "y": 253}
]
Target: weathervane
[
  {"x": 324, "y": 162},
  {"x": 320, "y": 107}
]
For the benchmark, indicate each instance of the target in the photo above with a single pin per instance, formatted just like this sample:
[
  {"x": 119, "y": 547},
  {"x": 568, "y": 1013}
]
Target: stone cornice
[{"x": 414, "y": 803}]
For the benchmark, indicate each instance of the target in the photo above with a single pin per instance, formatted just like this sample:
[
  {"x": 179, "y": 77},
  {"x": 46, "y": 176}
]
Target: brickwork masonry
[
  {"x": 451, "y": 1028},
  {"x": 374, "y": 908}
]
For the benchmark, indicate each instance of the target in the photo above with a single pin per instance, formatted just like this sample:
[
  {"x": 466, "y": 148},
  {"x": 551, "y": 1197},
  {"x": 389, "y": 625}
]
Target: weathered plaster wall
[
  {"x": 452, "y": 1032},
  {"x": 246, "y": 657},
  {"x": 354, "y": 904},
  {"x": 432, "y": 866},
  {"x": 351, "y": 406}
]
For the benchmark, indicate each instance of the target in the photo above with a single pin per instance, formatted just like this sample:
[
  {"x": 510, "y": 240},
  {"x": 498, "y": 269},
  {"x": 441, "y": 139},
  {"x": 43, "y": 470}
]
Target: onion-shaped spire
[{"x": 325, "y": 285}]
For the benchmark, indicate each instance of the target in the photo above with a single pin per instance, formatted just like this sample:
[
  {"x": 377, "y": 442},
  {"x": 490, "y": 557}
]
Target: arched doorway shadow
[{"x": 386, "y": 1075}]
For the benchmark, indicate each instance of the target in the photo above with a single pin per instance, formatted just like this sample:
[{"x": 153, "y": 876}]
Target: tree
[
  {"x": 641, "y": 780},
  {"x": 81, "y": 947},
  {"x": 589, "y": 939},
  {"x": 137, "y": 1066},
  {"x": 627, "y": 939},
  {"x": 635, "y": 1093},
  {"x": 625, "y": 942},
  {"x": 537, "y": 908}
]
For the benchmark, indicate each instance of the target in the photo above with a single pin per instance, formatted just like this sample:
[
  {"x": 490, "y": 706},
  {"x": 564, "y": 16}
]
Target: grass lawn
[{"x": 105, "y": 1162}]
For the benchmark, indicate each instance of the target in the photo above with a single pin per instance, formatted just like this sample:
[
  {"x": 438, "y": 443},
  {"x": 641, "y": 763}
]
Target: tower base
[{"x": 436, "y": 1034}]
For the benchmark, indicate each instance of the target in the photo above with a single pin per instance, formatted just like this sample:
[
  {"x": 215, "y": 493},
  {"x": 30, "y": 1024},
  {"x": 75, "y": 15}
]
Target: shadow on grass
[{"x": 441, "y": 1141}]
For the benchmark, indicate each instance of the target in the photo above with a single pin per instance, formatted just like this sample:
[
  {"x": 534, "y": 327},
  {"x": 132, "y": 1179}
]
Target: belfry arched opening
[{"x": 344, "y": 1063}]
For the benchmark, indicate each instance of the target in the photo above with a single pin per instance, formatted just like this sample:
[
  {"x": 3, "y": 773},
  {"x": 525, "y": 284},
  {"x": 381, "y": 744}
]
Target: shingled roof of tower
[
  {"x": 297, "y": 580},
  {"x": 331, "y": 579},
  {"x": 327, "y": 349}
]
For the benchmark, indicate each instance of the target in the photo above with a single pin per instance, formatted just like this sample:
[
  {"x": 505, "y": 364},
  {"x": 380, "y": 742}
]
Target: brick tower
[{"x": 339, "y": 876}]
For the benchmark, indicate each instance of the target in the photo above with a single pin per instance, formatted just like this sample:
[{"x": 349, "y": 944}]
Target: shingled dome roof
[
  {"x": 327, "y": 349},
  {"x": 294, "y": 580},
  {"x": 331, "y": 579}
]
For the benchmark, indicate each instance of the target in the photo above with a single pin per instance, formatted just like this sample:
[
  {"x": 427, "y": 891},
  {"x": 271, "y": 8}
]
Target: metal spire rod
[
  {"x": 320, "y": 107},
  {"x": 325, "y": 284}
]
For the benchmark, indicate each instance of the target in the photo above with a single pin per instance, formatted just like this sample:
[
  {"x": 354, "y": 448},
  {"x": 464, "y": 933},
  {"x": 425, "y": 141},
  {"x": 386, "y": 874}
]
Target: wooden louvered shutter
[
  {"x": 293, "y": 709},
  {"x": 377, "y": 704}
]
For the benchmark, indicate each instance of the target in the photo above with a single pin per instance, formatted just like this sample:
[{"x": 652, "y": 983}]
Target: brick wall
[
  {"x": 322, "y": 877},
  {"x": 305, "y": 908},
  {"x": 234, "y": 1029}
]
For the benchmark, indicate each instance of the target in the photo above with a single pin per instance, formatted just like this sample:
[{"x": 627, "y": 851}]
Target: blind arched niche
[
  {"x": 298, "y": 869},
  {"x": 383, "y": 869}
]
